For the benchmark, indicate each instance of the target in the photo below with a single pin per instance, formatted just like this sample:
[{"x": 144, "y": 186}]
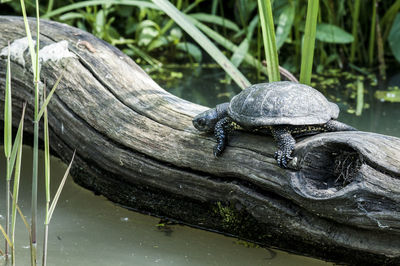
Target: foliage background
[{"x": 349, "y": 33}]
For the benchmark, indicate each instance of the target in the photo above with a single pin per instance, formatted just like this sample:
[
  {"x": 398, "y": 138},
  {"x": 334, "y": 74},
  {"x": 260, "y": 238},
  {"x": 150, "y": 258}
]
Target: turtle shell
[{"x": 279, "y": 103}]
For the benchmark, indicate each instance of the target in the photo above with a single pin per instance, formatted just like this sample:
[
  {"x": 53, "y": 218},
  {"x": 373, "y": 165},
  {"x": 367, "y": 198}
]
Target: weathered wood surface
[{"x": 136, "y": 145}]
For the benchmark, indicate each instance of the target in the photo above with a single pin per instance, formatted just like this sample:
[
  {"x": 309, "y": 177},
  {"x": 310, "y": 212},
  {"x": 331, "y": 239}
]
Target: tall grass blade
[
  {"x": 307, "y": 54},
  {"x": 16, "y": 144},
  {"x": 46, "y": 151},
  {"x": 371, "y": 45},
  {"x": 17, "y": 174},
  {"x": 203, "y": 41},
  {"x": 285, "y": 23},
  {"x": 354, "y": 44},
  {"x": 380, "y": 46},
  {"x": 46, "y": 174},
  {"x": 48, "y": 98},
  {"x": 227, "y": 44},
  {"x": 8, "y": 110},
  {"x": 240, "y": 53},
  {"x": 8, "y": 141},
  {"x": 6, "y": 236},
  {"x": 388, "y": 17},
  {"x": 28, "y": 228},
  {"x": 36, "y": 69},
  {"x": 28, "y": 33},
  {"x": 60, "y": 187},
  {"x": 217, "y": 20},
  {"x": 268, "y": 32}
]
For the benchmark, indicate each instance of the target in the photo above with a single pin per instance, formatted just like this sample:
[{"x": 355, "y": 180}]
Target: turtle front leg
[
  {"x": 222, "y": 128},
  {"x": 286, "y": 143}
]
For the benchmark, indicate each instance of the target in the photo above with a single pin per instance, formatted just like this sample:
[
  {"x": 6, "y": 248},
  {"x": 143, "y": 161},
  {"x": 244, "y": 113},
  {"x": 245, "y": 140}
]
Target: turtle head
[{"x": 206, "y": 121}]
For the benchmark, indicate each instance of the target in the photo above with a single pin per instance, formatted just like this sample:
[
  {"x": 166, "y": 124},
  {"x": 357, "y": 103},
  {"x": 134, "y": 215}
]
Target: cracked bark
[{"x": 136, "y": 145}]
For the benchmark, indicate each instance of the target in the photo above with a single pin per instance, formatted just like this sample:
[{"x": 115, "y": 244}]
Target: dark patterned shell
[{"x": 279, "y": 103}]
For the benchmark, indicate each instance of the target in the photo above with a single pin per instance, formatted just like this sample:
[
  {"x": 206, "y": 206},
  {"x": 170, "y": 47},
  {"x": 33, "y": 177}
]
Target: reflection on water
[{"x": 89, "y": 230}]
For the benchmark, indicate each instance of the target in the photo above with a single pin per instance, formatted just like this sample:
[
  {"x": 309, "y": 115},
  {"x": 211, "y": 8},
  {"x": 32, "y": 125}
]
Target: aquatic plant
[
  {"x": 13, "y": 153},
  {"x": 141, "y": 29},
  {"x": 268, "y": 32}
]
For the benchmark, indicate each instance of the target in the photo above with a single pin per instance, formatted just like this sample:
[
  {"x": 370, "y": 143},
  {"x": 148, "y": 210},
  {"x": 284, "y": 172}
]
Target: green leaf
[
  {"x": 217, "y": 20},
  {"x": 183, "y": 21},
  {"x": 240, "y": 53},
  {"x": 18, "y": 136},
  {"x": 285, "y": 23},
  {"x": 388, "y": 96},
  {"x": 175, "y": 35},
  {"x": 83, "y": 4},
  {"x": 146, "y": 32},
  {"x": 71, "y": 15},
  {"x": 332, "y": 34},
  {"x": 394, "y": 37},
  {"x": 147, "y": 35},
  {"x": 100, "y": 21},
  {"x": 190, "y": 48},
  {"x": 159, "y": 42},
  {"x": 60, "y": 187}
]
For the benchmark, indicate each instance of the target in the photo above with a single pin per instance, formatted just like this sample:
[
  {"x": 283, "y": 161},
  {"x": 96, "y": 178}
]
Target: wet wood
[{"x": 136, "y": 145}]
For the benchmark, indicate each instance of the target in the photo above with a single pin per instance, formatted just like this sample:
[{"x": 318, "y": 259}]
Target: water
[{"x": 89, "y": 230}]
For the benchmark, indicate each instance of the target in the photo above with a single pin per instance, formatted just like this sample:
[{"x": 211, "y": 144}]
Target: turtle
[{"x": 284, "y": 109}]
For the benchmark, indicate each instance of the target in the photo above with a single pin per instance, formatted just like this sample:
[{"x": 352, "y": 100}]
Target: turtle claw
[
  {"x": 217, "y": 151},
  {"x": 282, "y": 158}
]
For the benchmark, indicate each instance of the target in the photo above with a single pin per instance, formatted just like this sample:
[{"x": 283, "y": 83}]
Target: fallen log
[{"x": 135, "y": 144}]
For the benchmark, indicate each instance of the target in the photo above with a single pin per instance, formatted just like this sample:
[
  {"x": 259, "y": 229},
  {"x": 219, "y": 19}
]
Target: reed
[
  {"x": 268, "y": 33},
  {"x": 371, "y": 44},
  {"x": 8, "y": 143},
  {"x": 307, "y": 54},
  {"x": 354, "y": 44},
  {"x": 47, "y": 179},
  {"x": 13, "y": 153},
  {"x": 36, "y": 69},
  {"x": 203, "y": 41},
  {"x": 17, "y": 174}
]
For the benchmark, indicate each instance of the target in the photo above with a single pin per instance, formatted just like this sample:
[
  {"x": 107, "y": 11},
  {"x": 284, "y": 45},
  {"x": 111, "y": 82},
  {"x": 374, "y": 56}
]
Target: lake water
[{"x": 89, "y": 230}]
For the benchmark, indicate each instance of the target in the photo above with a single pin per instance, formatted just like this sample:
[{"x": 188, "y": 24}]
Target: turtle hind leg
[
  {"x": 221, "y": 131},
  {"x": 334, "y": 125},
  {"x": 285, "y": 142}
]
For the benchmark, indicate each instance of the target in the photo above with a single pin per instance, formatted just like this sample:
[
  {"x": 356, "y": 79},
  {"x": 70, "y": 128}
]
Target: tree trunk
[{"x": 136, "y": 145}]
